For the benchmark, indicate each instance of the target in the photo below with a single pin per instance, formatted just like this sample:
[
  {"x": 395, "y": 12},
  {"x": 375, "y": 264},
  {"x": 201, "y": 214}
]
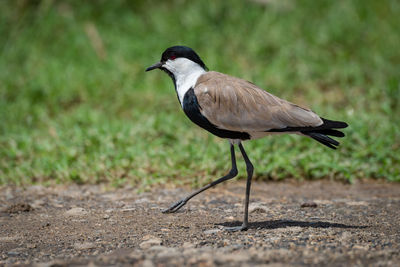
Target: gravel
[{"x": 291, "y": 223}]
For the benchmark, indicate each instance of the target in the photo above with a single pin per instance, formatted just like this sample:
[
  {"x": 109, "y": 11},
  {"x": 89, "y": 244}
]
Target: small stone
[
  {"x": 147, "y": 263},
  {"x": 167, "y": 253},
  {"x": 361, "y": 247},
  {"x": 128, "y": 209},
  {"x": 187, "y": 245},
  {"x": 38, "y": 203},
  {"x": 51, "y": 263},
  {"x": 150, "y": 243},
  {"x": 106, "y": 216},
  {"x": 234, "y": 257},
  {"x": 18, "y": 208},
  {"x": 357, "y": 203},
  {"x": 158, "y": 247},
  {"x": 226, "y": 242},
  {"x": 45, "y": 224},
  {"x": 258, "y": 208},
  {"x": 309, "y": 205},
  {"x": 141, "y": 200},
  {"x": 13, "y": 253},
  {"x": 212, "y": 231},
  {"x": 30, "y": 245},
  {"x": 147, "y": 237},
  {"x": 84, "y": 245},
  {"x": 136, "y": 255},
  {"x": 76, "y": 212},
  {"x": 9, "y": 238}
]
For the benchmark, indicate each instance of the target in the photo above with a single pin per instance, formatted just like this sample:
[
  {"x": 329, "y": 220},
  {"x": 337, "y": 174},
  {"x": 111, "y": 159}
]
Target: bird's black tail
[{"x": 321, "y": 132}]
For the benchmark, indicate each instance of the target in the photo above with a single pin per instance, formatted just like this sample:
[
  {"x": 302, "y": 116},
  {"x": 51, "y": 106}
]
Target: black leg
[
  {"x": 250, "y": 169},
  {"x": 232, "y": 173}
]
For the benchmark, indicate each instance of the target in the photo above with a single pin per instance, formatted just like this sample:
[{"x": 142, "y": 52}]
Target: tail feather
[
  {"x": 331, "y": 132},
  {"x": 328, "y": 124},
  {"x": 321, "y": 133},
  {"x": 323, "y": 139}
]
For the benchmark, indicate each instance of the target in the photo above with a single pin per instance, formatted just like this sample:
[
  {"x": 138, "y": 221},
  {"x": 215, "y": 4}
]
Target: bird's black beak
[{"x": 155, "y": 66}]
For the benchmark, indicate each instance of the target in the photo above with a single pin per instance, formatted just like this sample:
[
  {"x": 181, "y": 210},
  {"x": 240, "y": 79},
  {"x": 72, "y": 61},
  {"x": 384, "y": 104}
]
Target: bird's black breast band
[{"x": 192, "y": 109}]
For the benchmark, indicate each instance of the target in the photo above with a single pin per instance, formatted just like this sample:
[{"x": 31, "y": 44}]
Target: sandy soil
[{"x": 307, "y": 223}]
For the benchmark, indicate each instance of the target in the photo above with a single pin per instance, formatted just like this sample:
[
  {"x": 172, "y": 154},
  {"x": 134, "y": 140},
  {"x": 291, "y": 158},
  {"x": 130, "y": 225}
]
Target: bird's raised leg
[
  {"x": 250, "y": 169},
  {"x": 232, "y": 173}
]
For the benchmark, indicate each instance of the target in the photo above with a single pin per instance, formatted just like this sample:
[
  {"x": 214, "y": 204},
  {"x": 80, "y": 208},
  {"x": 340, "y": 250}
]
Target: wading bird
[{"x": 236, "y": 110}]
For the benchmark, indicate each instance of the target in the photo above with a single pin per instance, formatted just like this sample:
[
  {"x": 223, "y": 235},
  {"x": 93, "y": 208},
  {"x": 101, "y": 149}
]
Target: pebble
[
  {"x": 142, "y": 200},
  {"x": 361, "y": 247},
  {"x": 233, "y": 257},
  {"x": 309, "y": 205},
  {"x": 38, "y": 203},
  {"x": 258, "y": 207},
  {"x": 212, "y": 231},
  {"x": 357, "y": 203},
  {"x": 13, "y": 253},
  {"x": 188, "y": 245},
  {"x": 147, "y": 263},
  {"x": 158, "y": 247},
  {"x": 128, "y": 209},
  {"x": 30, "y": 245},
  {"x": 76, "y": 212},
  {"x": 45, "y": 224},
  {"x": 9, "y": 238},
  {"x": 84, "y": 245},
  {"x": 147, "y": 237},
  {"x": 18, "y": 208},
  {"x": 168, "y": 253},
  {"x": 150, "y": 243}
]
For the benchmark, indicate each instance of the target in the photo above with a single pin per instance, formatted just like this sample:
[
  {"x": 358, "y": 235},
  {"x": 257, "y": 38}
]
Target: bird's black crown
[{"x": 182, "y": 51}]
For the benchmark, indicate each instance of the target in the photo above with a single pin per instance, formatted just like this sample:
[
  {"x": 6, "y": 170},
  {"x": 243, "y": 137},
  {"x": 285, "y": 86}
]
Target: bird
[{"x": 237, "y": 110}]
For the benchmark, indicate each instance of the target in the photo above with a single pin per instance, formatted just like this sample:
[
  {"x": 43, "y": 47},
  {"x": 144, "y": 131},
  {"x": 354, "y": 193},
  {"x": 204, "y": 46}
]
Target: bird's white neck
[
  {"x": 186, "y": 81},
  {"x": 186, "y": 73}
]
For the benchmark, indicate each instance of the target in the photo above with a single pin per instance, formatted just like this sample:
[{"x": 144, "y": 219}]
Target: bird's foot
[
  {"x": 243, "y": 227},
  {"x": 175, "y": 207}
]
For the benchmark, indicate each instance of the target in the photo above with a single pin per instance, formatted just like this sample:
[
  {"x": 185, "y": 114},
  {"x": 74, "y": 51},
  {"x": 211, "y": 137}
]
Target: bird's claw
[{"x": 175, "y": 207}]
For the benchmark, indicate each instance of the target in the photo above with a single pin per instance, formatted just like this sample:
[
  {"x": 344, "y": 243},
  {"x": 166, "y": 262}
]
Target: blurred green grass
[{"x": 76, "y": 105}]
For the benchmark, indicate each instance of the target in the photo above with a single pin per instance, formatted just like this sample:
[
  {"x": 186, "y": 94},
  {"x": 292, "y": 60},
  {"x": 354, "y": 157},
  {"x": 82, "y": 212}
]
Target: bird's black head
[
  {"x": 182, "y": 51},
  {"x": 176, "y": 52}
]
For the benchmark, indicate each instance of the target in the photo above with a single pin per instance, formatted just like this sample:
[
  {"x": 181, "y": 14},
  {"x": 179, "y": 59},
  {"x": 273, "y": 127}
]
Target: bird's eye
[{"x": 172, "y": 57}]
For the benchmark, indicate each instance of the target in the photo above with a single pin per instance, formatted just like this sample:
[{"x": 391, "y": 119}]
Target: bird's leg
[
  {"x": 232, "y": 173},
  {"x": 250, "y": 169}
]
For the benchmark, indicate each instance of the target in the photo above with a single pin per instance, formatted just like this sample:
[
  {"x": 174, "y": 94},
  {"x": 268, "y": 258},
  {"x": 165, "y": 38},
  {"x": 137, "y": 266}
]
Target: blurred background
[{"x": 77, "y": 107}]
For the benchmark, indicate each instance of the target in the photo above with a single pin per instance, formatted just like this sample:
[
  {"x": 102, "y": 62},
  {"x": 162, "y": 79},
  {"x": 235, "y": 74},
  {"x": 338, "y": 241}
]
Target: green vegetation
[{"x": 76, "y": 105}]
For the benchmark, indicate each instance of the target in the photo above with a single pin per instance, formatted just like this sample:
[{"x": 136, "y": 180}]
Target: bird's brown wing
[{"x": 234, "y": 104}]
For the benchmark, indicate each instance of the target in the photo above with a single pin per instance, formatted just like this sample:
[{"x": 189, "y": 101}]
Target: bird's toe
[{"x": 236, "y": 228}]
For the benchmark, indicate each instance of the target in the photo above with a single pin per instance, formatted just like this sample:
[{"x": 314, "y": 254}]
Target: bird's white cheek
[{"x": 169, "y": 66}]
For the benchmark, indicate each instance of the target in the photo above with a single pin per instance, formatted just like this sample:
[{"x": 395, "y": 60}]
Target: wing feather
[{"x": 234, "y": 104}]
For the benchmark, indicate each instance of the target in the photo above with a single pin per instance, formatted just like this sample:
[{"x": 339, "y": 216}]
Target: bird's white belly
[{"x": 257, "y": 135}]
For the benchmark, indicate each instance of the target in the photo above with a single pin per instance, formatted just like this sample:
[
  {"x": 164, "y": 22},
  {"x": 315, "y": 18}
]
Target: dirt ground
[{"x": 297, "y": 223}]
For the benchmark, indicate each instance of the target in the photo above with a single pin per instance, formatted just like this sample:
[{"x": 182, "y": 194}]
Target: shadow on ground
[{"x": 275, "y": 224}]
